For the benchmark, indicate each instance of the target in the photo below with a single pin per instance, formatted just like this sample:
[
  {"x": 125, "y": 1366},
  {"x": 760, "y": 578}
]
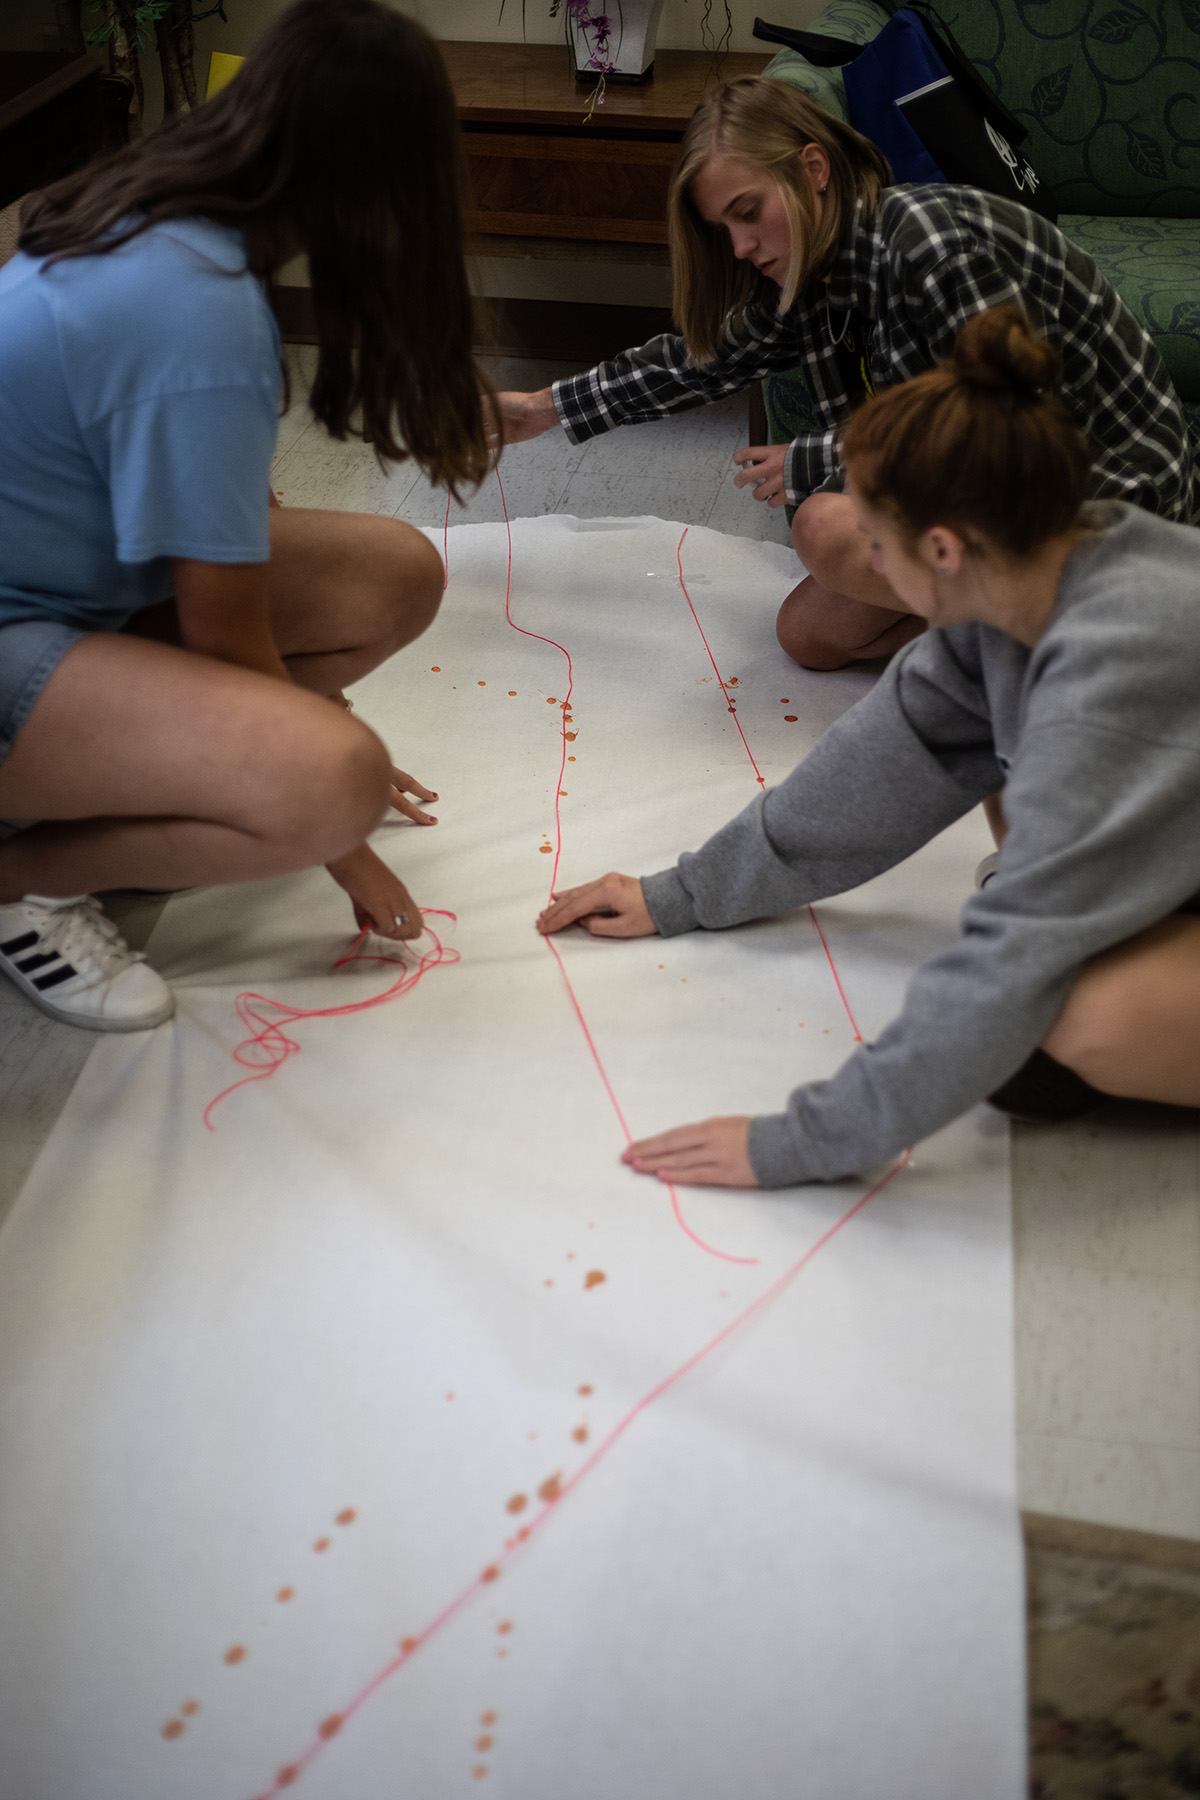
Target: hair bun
[{"x": 996, "y": 350}]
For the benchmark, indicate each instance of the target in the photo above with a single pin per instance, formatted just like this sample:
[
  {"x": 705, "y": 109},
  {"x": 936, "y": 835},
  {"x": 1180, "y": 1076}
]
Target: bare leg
[
  {"x": 842, "y": 612},
  {"x": 1131, "y": 1026},
  {"x": 347, "y": 591},
  {"x": 165, "y": 769}
]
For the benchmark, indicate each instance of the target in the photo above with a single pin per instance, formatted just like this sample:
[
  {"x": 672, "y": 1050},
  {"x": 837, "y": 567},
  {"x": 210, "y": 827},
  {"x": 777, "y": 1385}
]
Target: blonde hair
[
  {"x": 767, "y": 124},
  {"x": 982, "y": 443}
]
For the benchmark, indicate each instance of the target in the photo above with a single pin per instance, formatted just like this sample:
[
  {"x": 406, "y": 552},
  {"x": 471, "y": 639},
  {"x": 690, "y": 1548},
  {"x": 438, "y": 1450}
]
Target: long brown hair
[
  {"x": 765, "y": 123},
  {"x": 339, "y": 133},
  {"x": 981, "y": 443}
]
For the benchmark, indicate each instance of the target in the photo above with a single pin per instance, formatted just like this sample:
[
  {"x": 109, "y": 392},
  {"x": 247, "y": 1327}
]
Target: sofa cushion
[
  {"x": 1154, "y": 264},
  {"x": 858, "y": 21},
  {"x": 1110, "y": 91}
]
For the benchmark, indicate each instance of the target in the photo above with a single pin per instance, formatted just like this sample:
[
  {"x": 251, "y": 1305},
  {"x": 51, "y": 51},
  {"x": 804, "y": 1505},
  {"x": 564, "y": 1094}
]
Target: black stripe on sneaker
[
  {"x": 27, "y": 963},
  {"x": 52, "y": 980},
  {"x": 26, "y": 941}
]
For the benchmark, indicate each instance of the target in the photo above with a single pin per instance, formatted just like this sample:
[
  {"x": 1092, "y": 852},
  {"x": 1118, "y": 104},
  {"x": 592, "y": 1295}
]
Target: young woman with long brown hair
[
  {"x": 169, "y": 647},
  {"x": 1062, "y": 669},
  {"x": 789, "y": 247}
]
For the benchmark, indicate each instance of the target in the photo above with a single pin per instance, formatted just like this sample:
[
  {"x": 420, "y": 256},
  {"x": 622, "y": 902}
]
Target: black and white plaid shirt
[{"x": 930, "y": 258}]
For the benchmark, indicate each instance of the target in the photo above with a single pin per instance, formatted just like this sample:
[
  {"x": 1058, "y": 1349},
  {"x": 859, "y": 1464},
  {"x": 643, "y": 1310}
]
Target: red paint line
[
  {"x": 812, "y": 912},
  {"x": 269, "y": 1046},
  {"x": 712, "y": 659},
  {"x": 766, "y": 1299},
  {"x": 677, "y": 1210}
]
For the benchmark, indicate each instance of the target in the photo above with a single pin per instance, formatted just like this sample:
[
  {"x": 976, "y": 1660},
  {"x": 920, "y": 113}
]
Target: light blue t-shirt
[{"x": 139, "y": 402}]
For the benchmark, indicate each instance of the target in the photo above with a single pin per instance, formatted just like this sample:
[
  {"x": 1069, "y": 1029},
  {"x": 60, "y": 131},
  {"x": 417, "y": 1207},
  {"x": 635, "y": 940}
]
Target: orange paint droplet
[
  {"x": 331, "y": 1726},
  {"x": 562, "y": 793},
  {"x": 512, "y": 693},
  {"x": 570, "y": 759},
  {"x": 733, "y": 708},
  {"x": 789, "y": 718},
  {"x": 347, "y": 1516},
  {"x": 660, "y": 965},
  {"x": 545, "y": 849},
  {"x": 436, "y": 669},
  {"x": 190, "y": 1708},
  {"x": 553, "y": 700},
  {"x": 485, "y": 1742},
  {"x": 570, "y": 1256},
  {"x": 235, "y": 1654},
  {"x": 517, "y": 1504},
  {"x": 547, "y": 1282},
  {"x": 785, "y": 701},
  {"x": 481, "y": 684},
  {"x": 580, "y": 1434},
  {"x": 594, "y": 1277},
  {"x": 571, "y": 736},
  {"x": 174, "y": 1728},
  {"x": 408, "y": 1645},
  {"x": 449, "y": 1396},
  {"x": 501, "y": 1653},
  {"x": 504, "y": 1627},
  {"x": 551, "y": 1488},
  {"x": 491, "y": 1573},
  {"x": 321, "y": 1544},
  {"x": 479, "y": 1771},
  {"x": 586, "y": 1388},
  {"x": 284, "y": 1594},
  {"x": 487, "y": 1718},
  {"x": 522, "y": 1534},
  {"x": 286, "y": 1775}
]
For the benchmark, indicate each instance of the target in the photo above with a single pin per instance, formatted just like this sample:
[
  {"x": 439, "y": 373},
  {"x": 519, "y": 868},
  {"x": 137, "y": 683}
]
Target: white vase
[{"x": 633, "y": 27}]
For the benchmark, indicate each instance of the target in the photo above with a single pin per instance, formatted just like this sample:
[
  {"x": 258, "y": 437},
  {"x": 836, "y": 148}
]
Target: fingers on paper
[
  {"x": 710, "y": 1153},
  {"x": 402, "y": 786},
  {"x": 610, "y": 907}
]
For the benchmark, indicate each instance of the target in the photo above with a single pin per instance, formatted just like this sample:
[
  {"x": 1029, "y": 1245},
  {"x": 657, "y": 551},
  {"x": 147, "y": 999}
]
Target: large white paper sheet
[{"x": 275, "y": 1397}]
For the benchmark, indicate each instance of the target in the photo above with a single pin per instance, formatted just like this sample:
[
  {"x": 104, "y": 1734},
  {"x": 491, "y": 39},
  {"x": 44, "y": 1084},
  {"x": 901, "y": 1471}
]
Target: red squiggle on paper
[
  {"x": 837, "y": 980},
  {"x": 269, "y": 1046},
  {"x": 677, "y": 1210},
  {"x": 569, "y": 1483}
]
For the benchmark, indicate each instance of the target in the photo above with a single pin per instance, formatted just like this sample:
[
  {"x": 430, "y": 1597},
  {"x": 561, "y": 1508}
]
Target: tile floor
[{"x": 1106, "y": 1210}]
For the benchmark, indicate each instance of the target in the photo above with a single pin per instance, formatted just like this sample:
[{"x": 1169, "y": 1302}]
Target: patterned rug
[{"x": 1114, "y": 1663}]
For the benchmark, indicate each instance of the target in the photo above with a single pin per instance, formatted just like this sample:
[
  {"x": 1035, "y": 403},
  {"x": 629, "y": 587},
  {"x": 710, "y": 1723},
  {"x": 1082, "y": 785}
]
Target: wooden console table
[{"x": 537, "y": 171}]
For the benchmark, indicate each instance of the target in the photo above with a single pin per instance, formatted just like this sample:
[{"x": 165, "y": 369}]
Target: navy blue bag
[{"x": 918, "y": 98}]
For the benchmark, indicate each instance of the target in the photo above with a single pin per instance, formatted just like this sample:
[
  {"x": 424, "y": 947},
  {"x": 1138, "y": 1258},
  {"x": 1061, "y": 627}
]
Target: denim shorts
[{"x": 30, "y": 650}]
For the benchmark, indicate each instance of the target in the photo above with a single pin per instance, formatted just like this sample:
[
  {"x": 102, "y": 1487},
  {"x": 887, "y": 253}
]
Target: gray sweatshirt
[{"x": 1094, "y": 736}]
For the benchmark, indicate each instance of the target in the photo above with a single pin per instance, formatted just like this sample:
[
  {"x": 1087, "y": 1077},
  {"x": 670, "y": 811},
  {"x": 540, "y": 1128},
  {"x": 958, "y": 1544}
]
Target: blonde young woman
[
  {"x": 1062, "y": 667},
  {"x": 788, "y": 247}
]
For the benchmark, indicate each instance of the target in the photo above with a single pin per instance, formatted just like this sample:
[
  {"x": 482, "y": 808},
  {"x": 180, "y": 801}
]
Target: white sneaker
[
  {"x": 73, "y": 963},
  {"x": 987, "y": 869}
]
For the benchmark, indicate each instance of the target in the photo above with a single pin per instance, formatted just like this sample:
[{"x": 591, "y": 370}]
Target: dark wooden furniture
[
  {"x": 536, "y": 170},
  {"x": 55, "y": 112}
]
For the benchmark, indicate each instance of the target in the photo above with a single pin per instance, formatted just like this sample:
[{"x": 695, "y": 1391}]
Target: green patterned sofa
[{"x": 1110, "y": 92}]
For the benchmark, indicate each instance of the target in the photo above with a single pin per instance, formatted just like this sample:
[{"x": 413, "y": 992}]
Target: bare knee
[
  {"x": 402, "y": 577},
  {"x": 819, "y": 532},
  {"x": 327, "y": 789}
]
